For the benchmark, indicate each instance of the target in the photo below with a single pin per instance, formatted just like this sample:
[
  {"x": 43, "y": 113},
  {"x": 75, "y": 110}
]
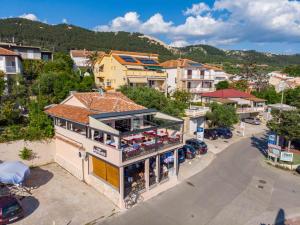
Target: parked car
[
  {"x": 224, "y": 132},
  {"x": 189, "y": 151},
  {"x": 298, "y": 169},
  {"x": 200, "y": 146},
  {"x": 10, "y": 209},
  {"x": 181, "y": 155},
  {"x": 210, "y": 134},
  {"x": 252, "y": 120}
]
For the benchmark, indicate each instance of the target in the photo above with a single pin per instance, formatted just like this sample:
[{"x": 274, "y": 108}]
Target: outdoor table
[{"x": 134, "y": 137}]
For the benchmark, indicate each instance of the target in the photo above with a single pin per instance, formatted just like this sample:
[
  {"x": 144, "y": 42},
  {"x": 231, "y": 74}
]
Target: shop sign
[
  {"x": 272, "y": 139},
  {"x": 200, "y": 133},
  {"x": 286, "y": 156},
  {"x": 100, "y": 151},
  {"x": 274, "y": 152}
]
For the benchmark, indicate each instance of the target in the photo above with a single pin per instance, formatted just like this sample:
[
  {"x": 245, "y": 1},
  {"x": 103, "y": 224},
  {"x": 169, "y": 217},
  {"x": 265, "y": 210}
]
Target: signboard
[
  {"x": 200, "y": 133},
  {"x": 286, "y": 156},
  {"x": 242, "y": 125},
  {"x": 100, "y": 151},
  {"x": 274, "y": 151},
  {"x": 272, "y": 139}
]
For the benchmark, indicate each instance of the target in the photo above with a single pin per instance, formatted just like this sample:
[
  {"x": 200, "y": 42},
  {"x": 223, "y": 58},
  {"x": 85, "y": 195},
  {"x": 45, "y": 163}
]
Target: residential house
[
  {"x": 28, "y": 52},
  {"x": 81, "y": 57},
  {"x": 115, "y": 145},
  {"x": 129, "y": 68},
  {"x": 194, "y": 77},
  {"x": 246, "y": 104}
]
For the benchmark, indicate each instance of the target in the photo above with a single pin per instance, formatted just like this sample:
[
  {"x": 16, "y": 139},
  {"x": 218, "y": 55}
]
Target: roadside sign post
[
  {"x": 243, "y": 127},
  {"x": 287, "y": 157},
  {"x": 200, "y": 133}
]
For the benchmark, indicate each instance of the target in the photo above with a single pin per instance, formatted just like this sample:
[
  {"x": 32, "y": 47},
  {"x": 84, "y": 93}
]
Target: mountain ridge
[{"x": 64, "y": 37}]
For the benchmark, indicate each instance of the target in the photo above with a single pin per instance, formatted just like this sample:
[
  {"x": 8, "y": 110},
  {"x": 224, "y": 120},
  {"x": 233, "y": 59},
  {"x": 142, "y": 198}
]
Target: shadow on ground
[
  {"x": 29, "y": 204},
  {"x": 261, "y": 144},
  {"x": 38, "y": 177}
]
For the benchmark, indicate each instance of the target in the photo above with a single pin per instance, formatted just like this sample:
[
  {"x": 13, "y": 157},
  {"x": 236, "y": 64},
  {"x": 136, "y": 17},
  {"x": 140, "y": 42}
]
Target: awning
[
  {"x": 157, "y": 78},
  {"x": 138, "y": 80},
  {"x": 153, "y": 67}
]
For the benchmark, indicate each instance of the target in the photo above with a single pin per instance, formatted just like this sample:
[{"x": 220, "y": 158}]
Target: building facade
[
  {"x": 28, "y": 52},
  {"x": 115, "y": 145},
  {"x": 129, "y": 68},
  {"x": 191, "y": 76},
  {"x": 81, "y": 57},
  {"x": 246, "y": 104}
]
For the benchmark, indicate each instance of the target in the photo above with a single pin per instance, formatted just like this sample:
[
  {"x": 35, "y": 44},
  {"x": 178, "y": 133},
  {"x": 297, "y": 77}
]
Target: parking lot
[{"x": 58, "y": 198}]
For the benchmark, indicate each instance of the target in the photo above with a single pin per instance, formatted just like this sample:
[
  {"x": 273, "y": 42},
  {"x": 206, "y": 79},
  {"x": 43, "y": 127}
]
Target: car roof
[{"x": 5, "y": 200}]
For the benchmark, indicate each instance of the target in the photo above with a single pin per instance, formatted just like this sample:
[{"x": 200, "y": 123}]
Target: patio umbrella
[{"x": 13, "y": 172}]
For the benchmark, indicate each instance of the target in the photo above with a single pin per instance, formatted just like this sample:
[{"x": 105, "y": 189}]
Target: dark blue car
[
  {"x": 224, "y": 132},
  {"x": 181, "y": 155},
  {"x": 199, "y": 146},
  {"x": 189, "y": 151}
]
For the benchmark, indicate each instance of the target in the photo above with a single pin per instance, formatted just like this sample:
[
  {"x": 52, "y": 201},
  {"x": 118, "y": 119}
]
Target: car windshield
[{"x": 11, "y": 210}]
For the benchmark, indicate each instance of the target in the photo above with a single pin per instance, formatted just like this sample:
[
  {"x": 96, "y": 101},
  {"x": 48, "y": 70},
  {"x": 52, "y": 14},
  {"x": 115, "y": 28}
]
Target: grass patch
[{"x": 296, "y": 159}]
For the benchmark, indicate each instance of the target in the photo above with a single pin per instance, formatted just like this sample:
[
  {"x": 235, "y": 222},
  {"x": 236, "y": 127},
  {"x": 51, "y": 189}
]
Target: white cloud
[
  {"x": 29, "y": 16},
  {"x": 237, "y": 21},
  {"x": 197, "y": 9},
  {"x": 64, "y": 20}
]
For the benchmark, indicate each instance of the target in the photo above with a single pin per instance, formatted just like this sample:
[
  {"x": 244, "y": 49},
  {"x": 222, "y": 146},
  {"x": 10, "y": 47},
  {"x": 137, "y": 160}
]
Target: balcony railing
[
  {"x": 11, "y": 69},
  {"x": 195, "y": 77},
  {"x": 147, "y": 73},
  {"x": 200, "y": 90},
  {"x": 195, "y": 111},
  {"x": 250, "y": 109}
]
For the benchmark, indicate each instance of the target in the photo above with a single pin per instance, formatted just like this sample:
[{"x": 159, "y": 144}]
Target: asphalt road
[{"x": 237, "y": 188}]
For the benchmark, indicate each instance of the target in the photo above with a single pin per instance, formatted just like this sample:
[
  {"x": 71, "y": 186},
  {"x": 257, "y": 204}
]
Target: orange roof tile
[
  {"x": 174, "y": 63},
  {"x": 69, "y": 112},
  {"x": 84, "y": 53},
  {"x": 4, "y": 51}
]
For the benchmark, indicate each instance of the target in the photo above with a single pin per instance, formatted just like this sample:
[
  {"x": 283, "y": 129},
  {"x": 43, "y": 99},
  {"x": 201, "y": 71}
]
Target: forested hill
[{"x": 63, "y": 37}]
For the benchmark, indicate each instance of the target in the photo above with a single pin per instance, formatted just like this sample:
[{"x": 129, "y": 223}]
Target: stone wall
[{"x": 43, "y": 151}]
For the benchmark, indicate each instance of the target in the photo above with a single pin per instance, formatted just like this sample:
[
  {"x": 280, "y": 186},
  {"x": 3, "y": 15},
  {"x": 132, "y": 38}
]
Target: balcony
[
  {"x": 11, "y": 69},
  {"x": 250, "y": 110},
  {"x": 200, "y": 90},
  {"x": 197, "y": 77},
  {"x": 196, "y": 111},
  {"x": 146, "y": 73}
]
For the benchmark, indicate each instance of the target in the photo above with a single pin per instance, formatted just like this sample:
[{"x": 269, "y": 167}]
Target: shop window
[
  {"x": 106, "y": 171},
  {"x": 189, "y": 72}
]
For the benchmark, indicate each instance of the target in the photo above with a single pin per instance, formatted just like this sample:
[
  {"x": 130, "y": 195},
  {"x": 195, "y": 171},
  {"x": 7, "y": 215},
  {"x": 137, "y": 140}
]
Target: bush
[
  {"x": 12, "y": 133},
  {"x": 26, "y": 153}
]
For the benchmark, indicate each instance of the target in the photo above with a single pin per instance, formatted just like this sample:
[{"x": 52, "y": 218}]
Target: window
[
  {"x": 189, "y": 72},
  {"x": 188, "y": 85},
  {"x": 108, "y": 83},
  {"x": 151, "y": 83},
  {"x": 202, "y": 72}
]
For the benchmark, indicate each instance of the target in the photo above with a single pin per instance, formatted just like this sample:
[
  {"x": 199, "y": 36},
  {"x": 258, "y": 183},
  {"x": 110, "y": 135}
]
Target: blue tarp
[{"x": 13, "y": 172}]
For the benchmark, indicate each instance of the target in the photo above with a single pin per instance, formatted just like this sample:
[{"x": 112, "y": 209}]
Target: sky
[{"x": 262, "y": 25}]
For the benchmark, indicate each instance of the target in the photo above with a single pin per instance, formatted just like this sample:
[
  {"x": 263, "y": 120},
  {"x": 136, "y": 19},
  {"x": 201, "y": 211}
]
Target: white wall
[
  {"x": 2, "y": 63},
  {"x": 43, "y": 151},
  {"x": 171, "y": 80}
]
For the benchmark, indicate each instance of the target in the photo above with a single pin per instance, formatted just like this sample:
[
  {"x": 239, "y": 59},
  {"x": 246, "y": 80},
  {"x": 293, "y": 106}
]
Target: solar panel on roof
[
  {"x": 128, "y": 58},
  {"x": 195, "y": 64},
  {"x": 147, "y": 61}
]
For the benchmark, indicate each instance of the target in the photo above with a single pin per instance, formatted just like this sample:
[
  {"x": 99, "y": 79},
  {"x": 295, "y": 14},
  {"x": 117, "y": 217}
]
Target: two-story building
[
  {"x": 115, "y": 145},
  {"x": 194, "y": 77},
  {"x": 28, "y": 52},
  {"x": 246, "y": 104},
  {"x": 10, "y": 62},
  {"x": 129, "y": 68},
  {"x": 81, "y": 57}
]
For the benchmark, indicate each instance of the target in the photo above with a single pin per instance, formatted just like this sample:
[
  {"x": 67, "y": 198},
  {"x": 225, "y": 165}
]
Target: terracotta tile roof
[
  {"x": 174, "y": 63},
  {"x": 95, "y": 103},
  {"x": 4, "y": 51},
  {"x": 227, "y": 93},
  {"x": 69, "y": 112},
  {"x": 108, "y": 102},
  {"x": 84, "y": 53},
  {"x": 255, "y": 99}
]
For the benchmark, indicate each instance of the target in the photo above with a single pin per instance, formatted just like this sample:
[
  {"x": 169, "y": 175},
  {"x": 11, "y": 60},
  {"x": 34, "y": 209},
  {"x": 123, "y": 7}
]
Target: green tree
[
  {"x": 62, "y": 63},
  {"x": 269, "y": 94},
  {"x": 40, "y": 125},
  {"x": 9, "y": 113},
  {"x": 182, "y": 96},
  {"x": 32, "y": 68},
  {"x": 92, "y": 59},
  {"x": 19, "y": 91},
  {"x": 222, "y": 85},
  {"x": 292, "y": 70},
  {"x": 285, "y": 124},
  {"x": 241, "y": 85},
  {"x": 87, "y": 83},
  {"x": 292, "y": 97},
  {"x": 2, "y": 83},
  {"x": 222, "y": 115}
]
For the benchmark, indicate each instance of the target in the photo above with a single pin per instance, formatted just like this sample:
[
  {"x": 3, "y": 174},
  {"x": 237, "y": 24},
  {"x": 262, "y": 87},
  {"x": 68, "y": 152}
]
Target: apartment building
[
  {"x": 115, "y": 145},
  {"x": 129, "y": 68},
  {"x": 246, "y": 104},
  {"x": 28, "y": 52},
  {"x": 194, "y": 77}
]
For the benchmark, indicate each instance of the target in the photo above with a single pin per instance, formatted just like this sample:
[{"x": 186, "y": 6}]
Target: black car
[
  {"x": 210, "y": 134},
  {"x": 189, "y": 151},
  {"x": 298, "y": 169},
  {"x": 200, "y": 146},
  {"x": 224, "y": 132}
]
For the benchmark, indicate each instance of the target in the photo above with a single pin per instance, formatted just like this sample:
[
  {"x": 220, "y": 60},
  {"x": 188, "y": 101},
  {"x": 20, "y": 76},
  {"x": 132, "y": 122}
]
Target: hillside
[{"x": 63, "y": 37}]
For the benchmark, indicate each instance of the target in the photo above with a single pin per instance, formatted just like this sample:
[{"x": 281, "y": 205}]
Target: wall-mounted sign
[
  {"x": 100, "y": 151},
  {"x": 200, "y": 133},
  {"x": 272, "y": 139},
  {"x": 274, "y": 152},
  {"x": 286, "y": 156}
]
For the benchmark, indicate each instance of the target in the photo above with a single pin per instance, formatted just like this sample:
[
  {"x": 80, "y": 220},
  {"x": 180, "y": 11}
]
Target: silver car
[{"x": 252, "y": 120}]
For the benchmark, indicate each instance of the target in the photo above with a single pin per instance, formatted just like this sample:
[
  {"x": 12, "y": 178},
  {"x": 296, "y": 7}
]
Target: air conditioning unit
[{"x": 82, "y": 154}]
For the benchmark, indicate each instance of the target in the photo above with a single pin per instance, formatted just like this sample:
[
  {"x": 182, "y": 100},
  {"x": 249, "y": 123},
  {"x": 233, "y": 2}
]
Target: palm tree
[{"x": 92, "y": 59}]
